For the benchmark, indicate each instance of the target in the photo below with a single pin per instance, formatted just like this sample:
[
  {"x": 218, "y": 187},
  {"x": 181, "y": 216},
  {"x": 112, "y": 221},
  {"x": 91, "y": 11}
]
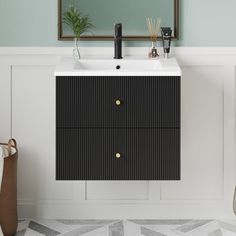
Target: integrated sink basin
[
  {"x": 124, "y": 65},
  {"x": 113, "y": 67}
]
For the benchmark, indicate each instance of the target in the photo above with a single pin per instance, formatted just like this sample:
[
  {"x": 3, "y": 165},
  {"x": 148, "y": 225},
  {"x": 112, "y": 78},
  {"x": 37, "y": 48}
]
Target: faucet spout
[{"x": 118, "y": 41}]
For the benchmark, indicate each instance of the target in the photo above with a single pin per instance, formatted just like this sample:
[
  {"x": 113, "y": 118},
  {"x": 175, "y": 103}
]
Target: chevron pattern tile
[{"x": 65, "y": 227}]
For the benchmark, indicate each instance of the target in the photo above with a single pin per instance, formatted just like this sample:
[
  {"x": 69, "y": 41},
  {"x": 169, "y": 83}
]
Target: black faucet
[{"x": 118, "y": 41}]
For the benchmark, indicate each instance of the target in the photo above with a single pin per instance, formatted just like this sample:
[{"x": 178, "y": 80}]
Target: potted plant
[{"x": 79, "y": 24}]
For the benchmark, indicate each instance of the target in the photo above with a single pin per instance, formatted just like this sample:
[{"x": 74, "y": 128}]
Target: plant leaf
[{"x": 78, "y": 23}]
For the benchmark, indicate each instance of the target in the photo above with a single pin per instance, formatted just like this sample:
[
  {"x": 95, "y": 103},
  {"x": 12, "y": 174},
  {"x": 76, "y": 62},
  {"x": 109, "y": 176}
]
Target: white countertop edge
[{"x": 125, "y": 73}]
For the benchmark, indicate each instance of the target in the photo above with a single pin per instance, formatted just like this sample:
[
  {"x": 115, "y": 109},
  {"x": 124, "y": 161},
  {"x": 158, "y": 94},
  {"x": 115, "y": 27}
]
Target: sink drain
[{"x": 118, "y": 67}]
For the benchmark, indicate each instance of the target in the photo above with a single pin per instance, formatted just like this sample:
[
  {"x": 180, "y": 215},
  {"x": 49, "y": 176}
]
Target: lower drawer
[{"x": 118, "y": 154}]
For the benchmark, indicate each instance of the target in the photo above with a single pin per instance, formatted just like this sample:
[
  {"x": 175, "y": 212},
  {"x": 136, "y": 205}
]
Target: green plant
[{"x": 78, "y": 22}]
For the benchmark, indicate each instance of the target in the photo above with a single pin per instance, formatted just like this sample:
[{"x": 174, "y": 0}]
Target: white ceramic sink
[
  {"x": 123, "y": 65},
  {"x": 118, "y": 67}
]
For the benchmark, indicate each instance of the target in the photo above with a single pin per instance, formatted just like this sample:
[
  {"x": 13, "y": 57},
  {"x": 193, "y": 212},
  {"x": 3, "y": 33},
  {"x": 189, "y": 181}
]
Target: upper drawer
[{"x": 118, "y": 102}]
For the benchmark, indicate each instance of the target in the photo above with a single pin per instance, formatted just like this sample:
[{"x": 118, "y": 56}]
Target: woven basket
[{"x": 8, "y": 193}]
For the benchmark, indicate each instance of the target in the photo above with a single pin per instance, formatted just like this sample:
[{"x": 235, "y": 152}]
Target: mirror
[{"x": 131, "y": 13}]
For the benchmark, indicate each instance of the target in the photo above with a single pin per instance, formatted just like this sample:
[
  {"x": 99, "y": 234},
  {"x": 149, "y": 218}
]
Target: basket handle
[{"x": 11, "y": 143}]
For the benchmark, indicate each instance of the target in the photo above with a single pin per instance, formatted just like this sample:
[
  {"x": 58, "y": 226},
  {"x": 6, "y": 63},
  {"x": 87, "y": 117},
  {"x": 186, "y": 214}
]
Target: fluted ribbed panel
[
  {"x": 146, "y": 154},
  {"x": 145, "y": 129},
  {"x": 90, "y": 102}
]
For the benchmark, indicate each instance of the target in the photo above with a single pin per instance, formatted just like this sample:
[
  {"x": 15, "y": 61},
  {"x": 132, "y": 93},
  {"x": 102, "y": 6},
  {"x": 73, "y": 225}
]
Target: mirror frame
[{"x": 108, "y": 37}]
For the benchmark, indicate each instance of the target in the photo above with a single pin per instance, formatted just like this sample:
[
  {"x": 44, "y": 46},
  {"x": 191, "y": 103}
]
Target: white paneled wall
[
  {"x": 202, "y": 135},
  {"x": 27, "y": 101}
]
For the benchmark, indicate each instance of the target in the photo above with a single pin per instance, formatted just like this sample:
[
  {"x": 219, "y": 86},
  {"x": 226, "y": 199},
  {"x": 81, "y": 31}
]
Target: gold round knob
[
  {"x": 118, "y": 155},
  {"x": 118, "y": 102}
]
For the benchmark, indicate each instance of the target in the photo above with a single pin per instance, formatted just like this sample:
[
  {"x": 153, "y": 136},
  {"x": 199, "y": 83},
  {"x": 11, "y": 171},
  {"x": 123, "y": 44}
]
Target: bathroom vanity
[{"x": 118, "y": 119}]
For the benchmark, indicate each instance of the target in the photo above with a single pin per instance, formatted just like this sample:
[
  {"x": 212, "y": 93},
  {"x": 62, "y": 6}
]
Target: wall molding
[{"x": 99, "y": 51}]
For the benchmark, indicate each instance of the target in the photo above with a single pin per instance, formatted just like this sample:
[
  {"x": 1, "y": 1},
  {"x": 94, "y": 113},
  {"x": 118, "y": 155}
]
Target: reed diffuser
[{"x": 153, "y": 26}]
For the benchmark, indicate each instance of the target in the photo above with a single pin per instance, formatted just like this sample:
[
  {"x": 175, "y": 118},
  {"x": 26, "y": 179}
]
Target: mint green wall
[{"x": 34, "y": 23}]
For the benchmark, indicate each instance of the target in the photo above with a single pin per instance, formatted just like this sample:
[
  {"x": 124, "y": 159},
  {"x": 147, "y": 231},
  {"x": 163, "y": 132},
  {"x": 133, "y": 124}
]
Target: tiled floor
[{"x": 126, "y": 227}]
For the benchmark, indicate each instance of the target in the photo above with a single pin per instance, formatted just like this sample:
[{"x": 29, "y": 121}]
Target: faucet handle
[{"x": 118, "y": 30}]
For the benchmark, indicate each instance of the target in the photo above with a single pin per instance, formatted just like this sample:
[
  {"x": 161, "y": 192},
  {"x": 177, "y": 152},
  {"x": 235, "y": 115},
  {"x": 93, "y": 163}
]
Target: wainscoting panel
[
  {"x": 117, "y": 190},
  {"x": 27, "y": 100},
  {"x": 33, "y": 125},
  {"x": 202, "y": 141},
  {"x": 5, "y": 101}
]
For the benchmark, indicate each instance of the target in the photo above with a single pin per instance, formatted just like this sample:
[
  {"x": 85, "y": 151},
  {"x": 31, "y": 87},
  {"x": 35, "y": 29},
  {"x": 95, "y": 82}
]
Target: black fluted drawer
[
  {"x": 94, "y": 101},
  {"x": 91, "y": 154}
]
